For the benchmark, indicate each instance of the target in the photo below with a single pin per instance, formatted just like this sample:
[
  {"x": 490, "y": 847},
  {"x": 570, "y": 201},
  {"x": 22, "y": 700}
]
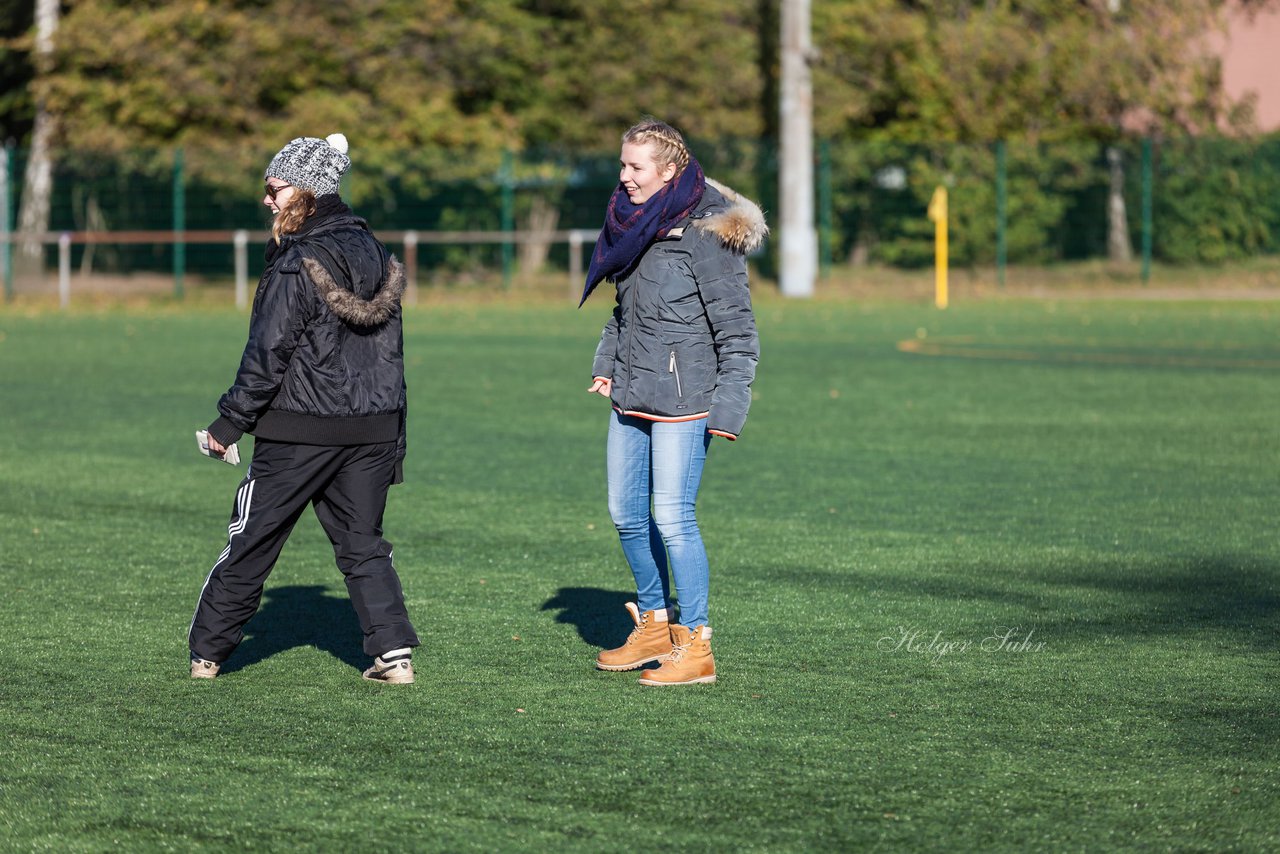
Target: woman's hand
[{"x": 603, "y": 386}]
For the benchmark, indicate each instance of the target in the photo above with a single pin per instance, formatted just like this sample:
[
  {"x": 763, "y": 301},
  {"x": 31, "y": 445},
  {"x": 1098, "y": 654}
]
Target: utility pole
[
  {"x": 1118, "y": 246},
  {"x": 34, "y": 214},
  {"x": 798, "y": 237}
]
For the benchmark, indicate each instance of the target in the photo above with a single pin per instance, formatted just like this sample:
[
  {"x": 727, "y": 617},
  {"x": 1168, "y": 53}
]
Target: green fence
[{"x": 1185, "y": 201}]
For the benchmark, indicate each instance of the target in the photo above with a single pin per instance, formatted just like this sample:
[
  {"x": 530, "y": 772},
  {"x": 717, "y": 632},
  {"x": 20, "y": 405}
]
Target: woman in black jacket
[
  {"x": 677, "y": 360},
  {"x": 321, "y": 388}
]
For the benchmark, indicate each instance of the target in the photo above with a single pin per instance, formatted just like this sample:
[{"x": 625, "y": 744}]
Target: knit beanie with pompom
[{"x": 312, "y": 164}]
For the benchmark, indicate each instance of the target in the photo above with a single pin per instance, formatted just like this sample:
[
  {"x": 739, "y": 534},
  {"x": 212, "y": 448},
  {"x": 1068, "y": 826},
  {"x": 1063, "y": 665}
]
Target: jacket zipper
[
  {"x": 631, "y": 340},
  {"x": 676, "y": 372}
]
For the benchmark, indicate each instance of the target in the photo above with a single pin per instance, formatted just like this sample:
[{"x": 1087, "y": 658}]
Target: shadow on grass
[
  {"x": 1217, "y": 592},
  {"x": 1082, "y": 600},
  {"x": 598, "y": 615},
  {"x": 1225, "y": 605},
  {"x": 1153, "y": 598},
  {"x": 301, "y": 615}
]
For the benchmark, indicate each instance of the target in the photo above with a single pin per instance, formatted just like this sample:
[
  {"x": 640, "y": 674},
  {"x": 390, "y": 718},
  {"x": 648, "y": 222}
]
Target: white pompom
[{"x": 338, "y": 141}]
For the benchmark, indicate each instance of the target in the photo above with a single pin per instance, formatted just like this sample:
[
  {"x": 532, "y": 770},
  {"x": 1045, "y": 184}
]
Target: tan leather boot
[
  {"x": 690, "y": 661},
  {"x": 649, "y": 641}
]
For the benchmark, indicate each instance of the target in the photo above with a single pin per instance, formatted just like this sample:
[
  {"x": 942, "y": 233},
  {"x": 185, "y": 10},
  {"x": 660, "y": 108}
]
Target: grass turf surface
[{"x": 1094, "y": 480}]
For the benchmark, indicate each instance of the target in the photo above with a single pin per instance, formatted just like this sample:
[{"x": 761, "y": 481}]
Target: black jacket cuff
[{"x": 225, "y": 432}]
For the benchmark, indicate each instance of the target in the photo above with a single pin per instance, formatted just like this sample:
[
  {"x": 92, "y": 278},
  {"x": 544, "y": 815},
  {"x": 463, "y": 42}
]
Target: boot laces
[
  {"x": 639, "y": 630},
  {"x": 678, "y": 651}
]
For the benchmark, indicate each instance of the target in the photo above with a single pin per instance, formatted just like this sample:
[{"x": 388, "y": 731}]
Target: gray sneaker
[
  {"x": 201, "y": 669},
  {"x": 397, "y": 670}
]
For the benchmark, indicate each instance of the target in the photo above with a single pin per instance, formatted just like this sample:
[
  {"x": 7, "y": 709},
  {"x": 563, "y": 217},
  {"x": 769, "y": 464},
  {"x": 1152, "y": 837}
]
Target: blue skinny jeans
[{"x": 655, "y": 469}]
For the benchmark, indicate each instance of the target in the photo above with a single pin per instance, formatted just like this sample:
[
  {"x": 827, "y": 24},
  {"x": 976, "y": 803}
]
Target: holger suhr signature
[{"x": 936, "y": 646}]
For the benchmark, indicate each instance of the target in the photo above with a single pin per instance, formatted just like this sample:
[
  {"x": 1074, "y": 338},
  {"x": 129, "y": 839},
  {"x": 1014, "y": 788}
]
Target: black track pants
[{"x": 348, "y": 488}]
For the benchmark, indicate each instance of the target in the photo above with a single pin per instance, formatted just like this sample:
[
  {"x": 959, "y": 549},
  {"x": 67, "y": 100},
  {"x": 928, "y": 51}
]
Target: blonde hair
[
  {"x": 295, "y": 212},
  {"x": 668, "y": 145}
]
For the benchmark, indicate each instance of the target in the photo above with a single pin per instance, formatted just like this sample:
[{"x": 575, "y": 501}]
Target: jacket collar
[
  {"x": 330, "y": 210},
  {"x": 736, "y": 221}
]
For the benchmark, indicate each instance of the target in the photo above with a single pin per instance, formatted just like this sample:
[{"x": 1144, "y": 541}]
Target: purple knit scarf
[{"x": 629, "y": 229}]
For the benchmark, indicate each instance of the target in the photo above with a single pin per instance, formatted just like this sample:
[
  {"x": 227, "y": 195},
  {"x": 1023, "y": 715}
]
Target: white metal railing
[{"x": 239, "y": 240}]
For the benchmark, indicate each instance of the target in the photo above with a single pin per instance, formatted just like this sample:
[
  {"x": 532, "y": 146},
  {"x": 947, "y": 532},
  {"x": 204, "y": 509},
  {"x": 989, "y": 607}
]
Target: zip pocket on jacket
[{"x": 675, "y": 371}]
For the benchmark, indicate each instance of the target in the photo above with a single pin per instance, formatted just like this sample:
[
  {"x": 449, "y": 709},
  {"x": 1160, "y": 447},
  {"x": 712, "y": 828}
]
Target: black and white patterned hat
[{"x": 312, "y": 164}]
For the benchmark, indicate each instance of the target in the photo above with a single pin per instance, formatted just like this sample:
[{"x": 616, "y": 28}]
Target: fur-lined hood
[
  {"x": 351, "y": 308},
  {"x": 741, "y": 228}
]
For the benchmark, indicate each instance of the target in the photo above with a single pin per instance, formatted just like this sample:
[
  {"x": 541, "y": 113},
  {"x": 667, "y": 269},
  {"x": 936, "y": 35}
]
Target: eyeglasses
[{"x": 271, "y": 191}]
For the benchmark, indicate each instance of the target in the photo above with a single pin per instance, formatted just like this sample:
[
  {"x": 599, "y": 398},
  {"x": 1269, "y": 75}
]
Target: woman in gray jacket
[{"x": 676, "y": 360}]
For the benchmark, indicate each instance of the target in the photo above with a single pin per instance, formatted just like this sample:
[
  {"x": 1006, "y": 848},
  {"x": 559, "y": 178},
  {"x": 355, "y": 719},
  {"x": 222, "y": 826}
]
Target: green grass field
[{"x": 1093, "y": 481}]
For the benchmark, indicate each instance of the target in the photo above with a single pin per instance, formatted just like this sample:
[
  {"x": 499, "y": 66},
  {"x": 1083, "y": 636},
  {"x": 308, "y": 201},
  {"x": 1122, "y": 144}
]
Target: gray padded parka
[{"x": 682, "y": 341}]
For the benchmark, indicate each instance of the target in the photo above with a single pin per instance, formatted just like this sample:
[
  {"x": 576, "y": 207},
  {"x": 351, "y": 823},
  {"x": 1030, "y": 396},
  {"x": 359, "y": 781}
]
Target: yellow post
[{"x": 938, "y": 213}]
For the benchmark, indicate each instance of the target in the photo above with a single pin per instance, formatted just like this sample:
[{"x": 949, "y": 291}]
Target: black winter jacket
[
  {"x": 324, "y": 364},
  {"x": 682, "y": 341}
]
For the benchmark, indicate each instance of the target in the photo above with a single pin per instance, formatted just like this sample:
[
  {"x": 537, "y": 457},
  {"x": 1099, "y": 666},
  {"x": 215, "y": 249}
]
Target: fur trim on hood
[
  {"x": 351, "y": 308},
  {"x": 741, "y": 228}
]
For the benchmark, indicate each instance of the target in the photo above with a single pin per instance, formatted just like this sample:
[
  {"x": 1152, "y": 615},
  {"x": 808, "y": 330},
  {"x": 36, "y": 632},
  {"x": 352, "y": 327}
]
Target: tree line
[
  {"x": 454, "y": 74},
  {"x": 431, "y": 88}
]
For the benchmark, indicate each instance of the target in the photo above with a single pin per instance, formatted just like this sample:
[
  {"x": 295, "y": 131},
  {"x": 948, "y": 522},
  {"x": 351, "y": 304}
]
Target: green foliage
[
  {"x": 882, "y": 192},
  {"x": 236, "y": 80},
  {"x": 1035, "y": 70},
  {"x": 424, "y": 91},
  {"x": 433, "y": 95},
  {"x": 17, "y": 109},
  {"x": 476, "y": 76},
  {"x": 1214, "y": 200},
  {"x": 1218, "y": 200},
  {"x": 579, "y": 72}
]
